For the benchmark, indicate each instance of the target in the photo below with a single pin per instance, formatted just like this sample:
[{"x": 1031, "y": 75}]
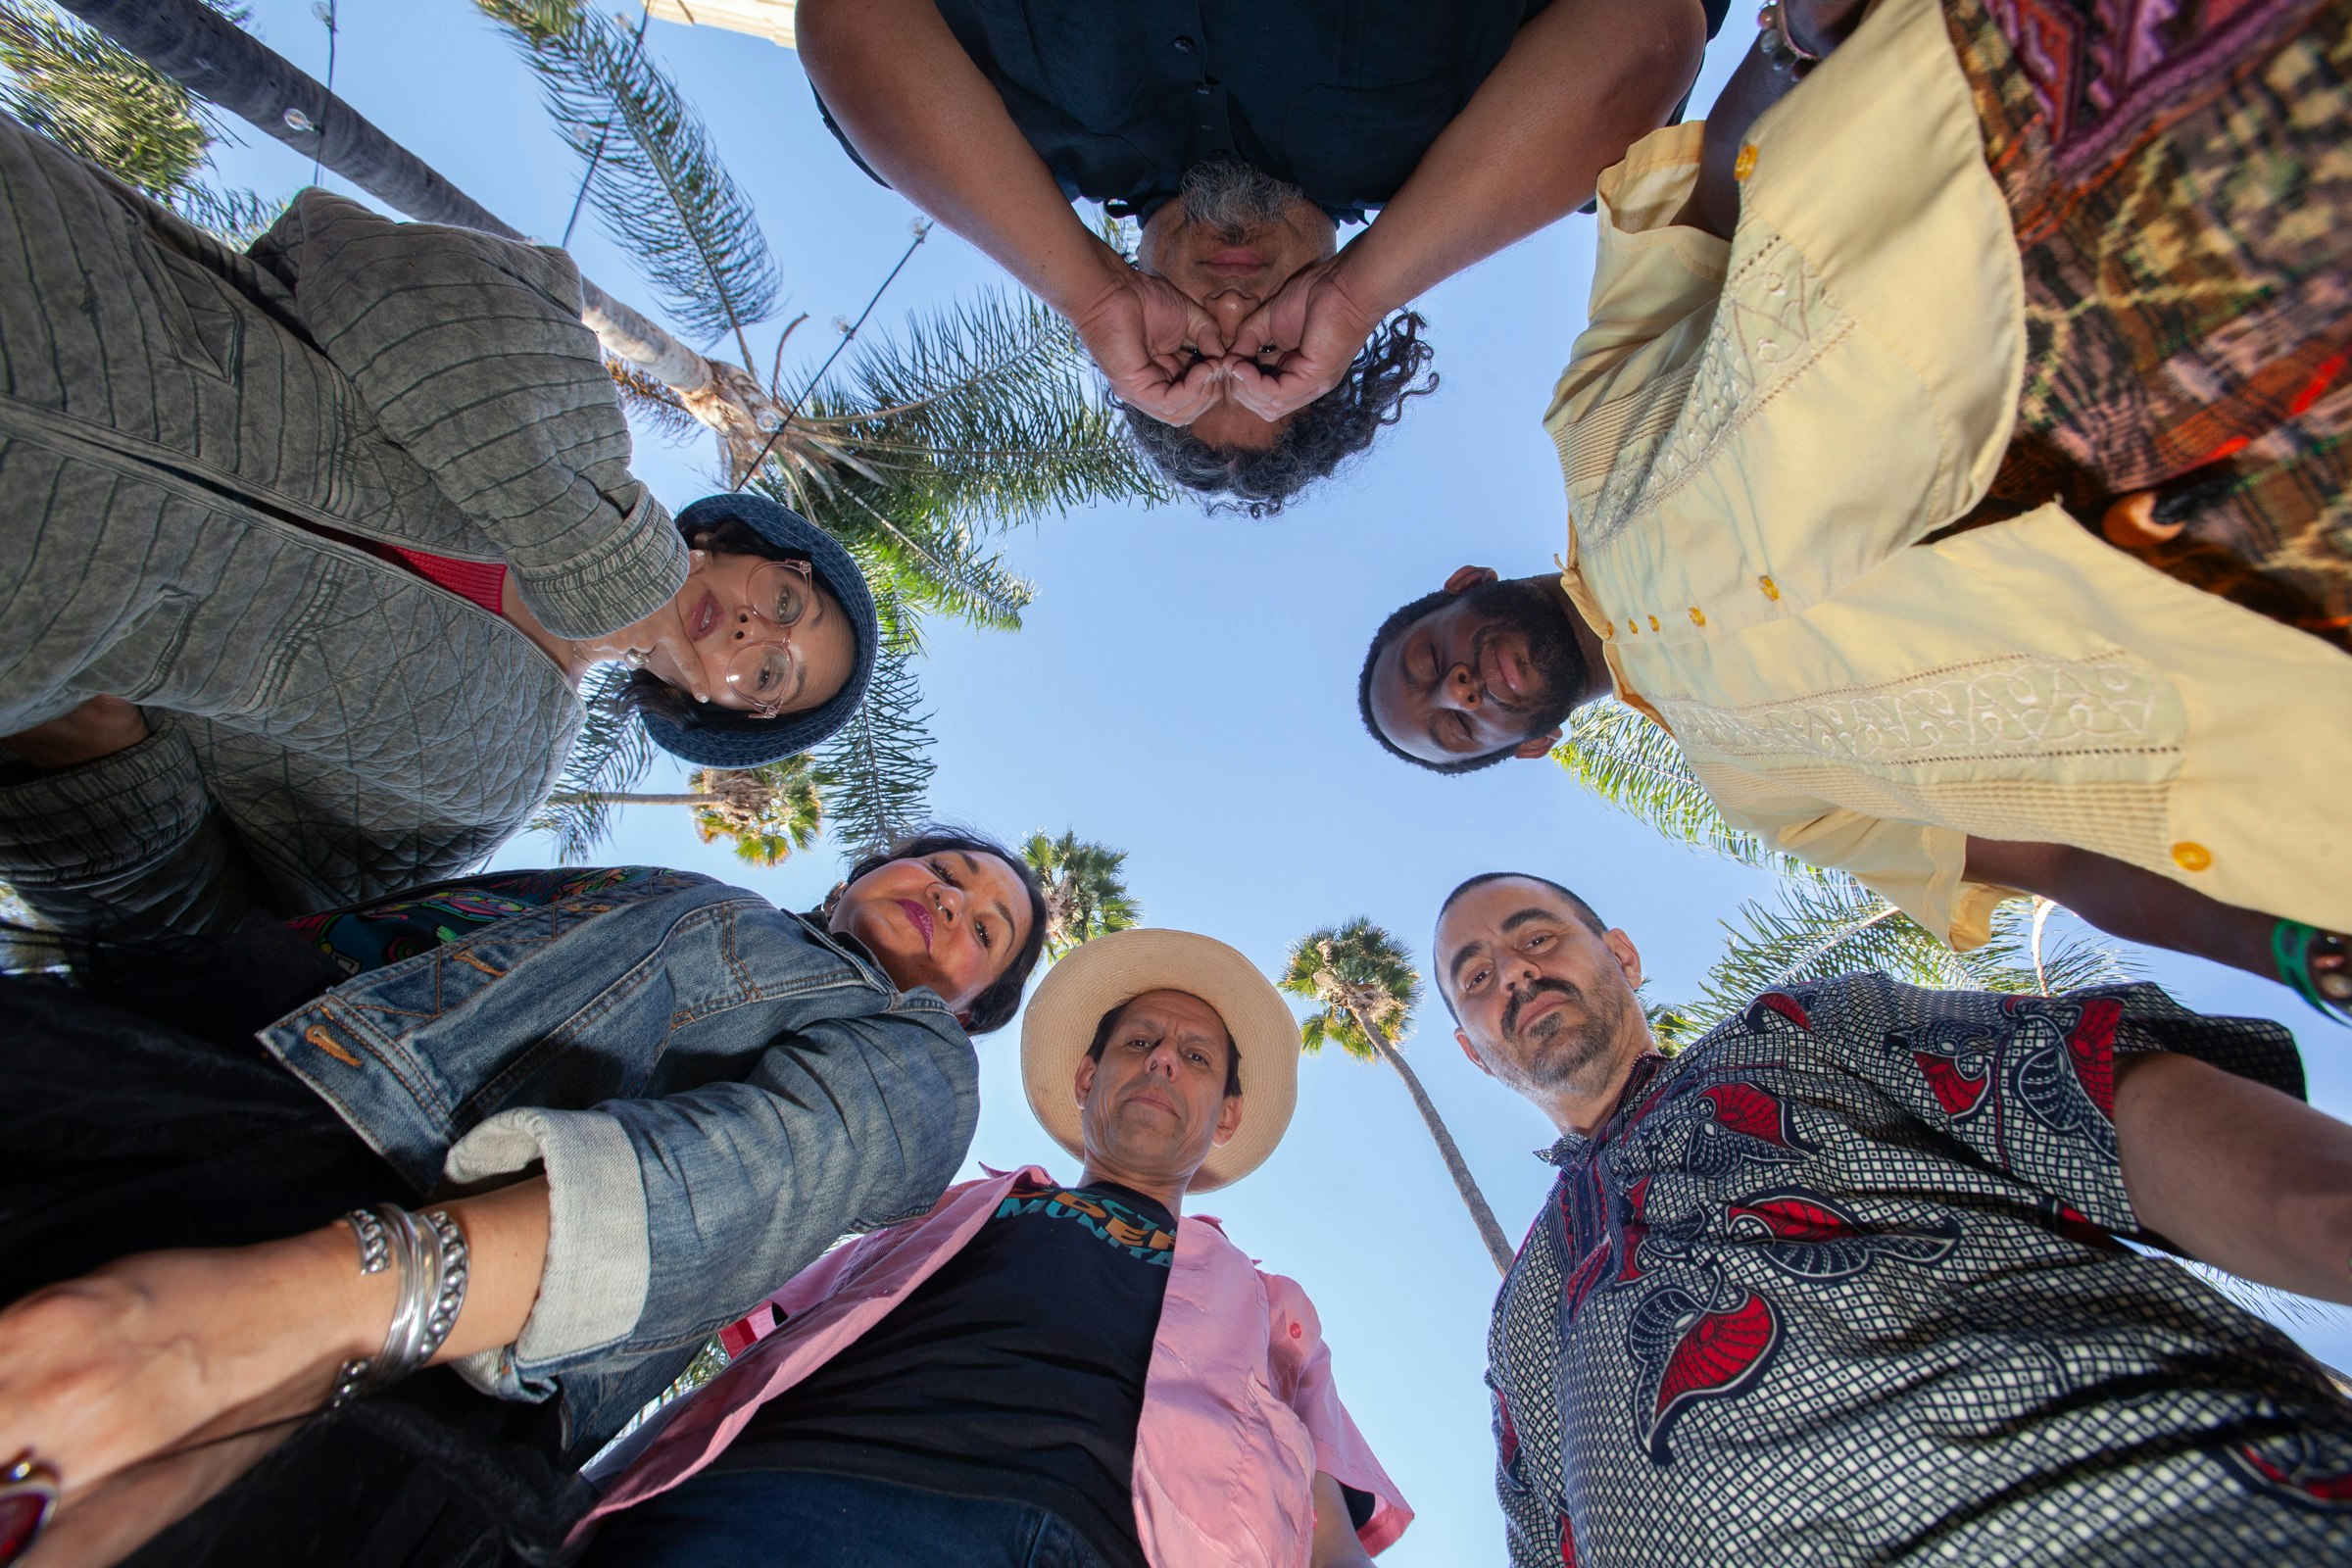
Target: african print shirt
[{"x": 1841, "y": 1284}]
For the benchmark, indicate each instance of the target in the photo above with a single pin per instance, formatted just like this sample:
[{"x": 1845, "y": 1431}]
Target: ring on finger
[{"x": 28, "y": 1492}]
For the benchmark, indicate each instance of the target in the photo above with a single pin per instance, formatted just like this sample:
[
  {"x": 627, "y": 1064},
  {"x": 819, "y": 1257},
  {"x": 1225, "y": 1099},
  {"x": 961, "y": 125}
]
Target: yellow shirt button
[
  {"x": 2190, "y": 856},
  {"x": 1653, "y": 623},
  {"x": 1632, "y": 625},
  {"x": 1746, "y": 164},
  {"x": 1772, "y": 590},
  {"x": 1698, "y": 616},
  {"x": 1608, "y": 629}
]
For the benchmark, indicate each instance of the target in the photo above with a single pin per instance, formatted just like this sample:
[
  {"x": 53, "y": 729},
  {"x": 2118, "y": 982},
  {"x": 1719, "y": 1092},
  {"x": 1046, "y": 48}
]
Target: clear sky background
[{"x": 1183, "y": 688}]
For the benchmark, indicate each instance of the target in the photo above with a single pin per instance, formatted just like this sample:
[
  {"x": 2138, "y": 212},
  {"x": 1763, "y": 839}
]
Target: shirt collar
[{"x": 1569, "y": 1147}]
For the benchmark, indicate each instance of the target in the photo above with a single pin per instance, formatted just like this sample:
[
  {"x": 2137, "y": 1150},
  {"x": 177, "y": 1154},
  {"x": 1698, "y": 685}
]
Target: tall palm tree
[
  {"x": 1365, "y": 990},
  {"x": 1086, "y": 897},
  {"x": 1820, "y": 922}
]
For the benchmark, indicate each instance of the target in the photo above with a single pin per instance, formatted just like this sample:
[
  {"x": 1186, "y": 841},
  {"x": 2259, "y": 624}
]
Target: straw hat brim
[{"x": 1099, "y": 975}]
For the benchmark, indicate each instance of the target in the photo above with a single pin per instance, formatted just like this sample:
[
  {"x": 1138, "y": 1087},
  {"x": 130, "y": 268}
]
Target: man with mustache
[
  {"x": 1251, "y": 354},
  {"x": 1841, "y": 1281},
  {"x": 1052, "y": 1375}
]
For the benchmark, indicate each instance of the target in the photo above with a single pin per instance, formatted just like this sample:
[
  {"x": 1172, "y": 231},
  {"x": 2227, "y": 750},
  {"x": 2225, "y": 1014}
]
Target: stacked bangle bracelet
[{"x": 430, "y": 1251}]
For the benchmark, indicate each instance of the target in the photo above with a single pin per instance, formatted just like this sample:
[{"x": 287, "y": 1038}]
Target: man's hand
[
  {"x": 1295, "y": 348},
  {"x": 1158, "y": 349},
  {"x": 99, "y": 727}
]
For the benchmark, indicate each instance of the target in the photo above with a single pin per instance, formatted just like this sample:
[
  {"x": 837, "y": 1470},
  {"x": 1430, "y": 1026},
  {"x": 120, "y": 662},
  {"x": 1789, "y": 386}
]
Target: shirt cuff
[
  {"x": 635, "y": 574},
  {"x": 103, "y": 817},
  {"x": 593, "y": 1286}
]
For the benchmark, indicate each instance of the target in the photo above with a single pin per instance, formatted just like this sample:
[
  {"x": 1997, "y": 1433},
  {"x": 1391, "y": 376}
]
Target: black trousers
[{"x": 121, "y": 1135}]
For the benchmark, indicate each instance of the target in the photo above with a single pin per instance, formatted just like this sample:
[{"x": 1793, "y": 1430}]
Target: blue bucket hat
[{"x": 721, "y": 737}]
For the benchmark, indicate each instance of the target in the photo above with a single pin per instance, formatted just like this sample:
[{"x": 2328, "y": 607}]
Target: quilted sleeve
[
  {"x": 129, "y": 838},
  {"x": 470, "y": 351}
]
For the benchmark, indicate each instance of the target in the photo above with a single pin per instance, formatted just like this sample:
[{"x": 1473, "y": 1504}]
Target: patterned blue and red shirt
[{"x": 1843, "y": 1283}]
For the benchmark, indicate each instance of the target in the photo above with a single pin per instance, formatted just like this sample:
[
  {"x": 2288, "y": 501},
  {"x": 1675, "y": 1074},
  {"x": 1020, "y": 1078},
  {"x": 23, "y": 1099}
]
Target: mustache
[{"x": 1534, "y": 989}]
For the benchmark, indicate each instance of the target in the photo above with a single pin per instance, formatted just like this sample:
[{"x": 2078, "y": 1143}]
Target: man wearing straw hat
[{"x": 1060, "y": 1376}]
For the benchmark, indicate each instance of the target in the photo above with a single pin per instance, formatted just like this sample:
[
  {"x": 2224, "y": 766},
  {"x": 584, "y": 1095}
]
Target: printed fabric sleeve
[
  {"x": 2027, "y": 1083},
  {"x": 1301, "y": 1365},
  {"x": 470, "y": 351},
  {"x": 670, "y": 1217},
  {"x": 129, "y": 838},
  {"x": 1917, "y": 868},
  {"x": 1531, "y": 1527}
]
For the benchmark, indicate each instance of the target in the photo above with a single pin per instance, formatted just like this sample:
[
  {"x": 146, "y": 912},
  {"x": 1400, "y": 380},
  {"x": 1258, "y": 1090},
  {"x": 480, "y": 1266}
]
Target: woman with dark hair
[
  {"x": 659, "y": 1095},
  {"x": 310, "y": 547}
]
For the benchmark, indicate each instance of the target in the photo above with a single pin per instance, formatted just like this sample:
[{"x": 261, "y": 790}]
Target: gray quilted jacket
[{"x": 175, "y": 423}]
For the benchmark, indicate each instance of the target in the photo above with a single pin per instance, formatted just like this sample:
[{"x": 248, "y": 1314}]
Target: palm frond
[
  {"x": 611, "y": 756},
  {"x": 99, "y": 101},
  {"x": 1360, "y": 978},
  {"x": 653, "y": 405},
  {"x": 654, "y": 177},
  {"x": 1833, "y": 925},
  {"x": 876, "y": 769},
  {"x": 1635, "y": 766},
  {"x": 983, "y": 415}
]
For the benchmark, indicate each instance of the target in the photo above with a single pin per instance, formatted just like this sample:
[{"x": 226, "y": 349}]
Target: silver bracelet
[{"x": 433, "y": 1260}]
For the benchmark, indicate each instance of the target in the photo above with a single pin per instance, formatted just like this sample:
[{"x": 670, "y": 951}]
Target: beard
[
  {"x": 1556, "y": 660},
  {"x": 1568, "y": 1044},
  {"x": 1232, "y": 200}
]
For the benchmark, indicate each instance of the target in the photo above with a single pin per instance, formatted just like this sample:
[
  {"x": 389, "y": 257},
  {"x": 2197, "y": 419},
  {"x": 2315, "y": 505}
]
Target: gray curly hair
[{"x": 1328, "y": 431}]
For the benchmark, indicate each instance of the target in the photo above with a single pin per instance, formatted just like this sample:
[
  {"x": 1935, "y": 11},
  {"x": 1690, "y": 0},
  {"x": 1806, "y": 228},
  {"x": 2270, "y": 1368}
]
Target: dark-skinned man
[
  {"x": 1812, "y": 436},
  {"x": 1036, "y": 1375},
  {"x": 1252, "y": 354},
  {"x": 1840, "y": 1283}
]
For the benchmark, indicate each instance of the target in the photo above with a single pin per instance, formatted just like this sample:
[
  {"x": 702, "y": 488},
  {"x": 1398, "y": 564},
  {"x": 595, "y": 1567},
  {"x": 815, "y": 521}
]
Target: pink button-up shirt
[{"x": 1239, "y": 1407}]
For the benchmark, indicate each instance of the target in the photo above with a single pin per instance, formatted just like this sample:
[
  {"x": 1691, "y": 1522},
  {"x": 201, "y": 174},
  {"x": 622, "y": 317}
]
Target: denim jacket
[{"x": 716, "y": 1090}]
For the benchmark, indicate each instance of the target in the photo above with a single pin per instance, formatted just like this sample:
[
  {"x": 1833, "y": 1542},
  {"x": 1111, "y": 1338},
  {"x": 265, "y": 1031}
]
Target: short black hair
[
  {"x": 1390, "y": 630},
  {"x": 1233, "y": 1047},
  {"x": 993, "y": 1009},
  {"x": 1318, "y": 438},
  {"x": 1589, "y": 916}
]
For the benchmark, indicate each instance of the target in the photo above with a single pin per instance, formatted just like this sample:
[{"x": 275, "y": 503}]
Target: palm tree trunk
[
  {"x": 1499, "y": 1247},
  {"x": 220, "y": 62},
  {"x": 611, "y": 798}
]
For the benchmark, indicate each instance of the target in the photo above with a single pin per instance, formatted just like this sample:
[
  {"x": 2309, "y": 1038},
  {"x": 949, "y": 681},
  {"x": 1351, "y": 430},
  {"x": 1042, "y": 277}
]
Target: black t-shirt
[
  {"x": 1342, "y": 101},
  {"x": 1015, "y": 1371}
]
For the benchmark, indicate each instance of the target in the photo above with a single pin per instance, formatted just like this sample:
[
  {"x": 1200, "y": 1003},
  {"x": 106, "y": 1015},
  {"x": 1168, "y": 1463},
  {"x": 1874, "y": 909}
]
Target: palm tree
[
  {"x": 1085, "y": 895},
  {"x": 766, "y": 812},
  {"x": 1821, "y": 922},
  {"x": 1364, "y": 990}
]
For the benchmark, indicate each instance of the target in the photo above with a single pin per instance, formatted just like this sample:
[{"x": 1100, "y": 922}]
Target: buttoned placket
[{"x": 1210, "y": 132}]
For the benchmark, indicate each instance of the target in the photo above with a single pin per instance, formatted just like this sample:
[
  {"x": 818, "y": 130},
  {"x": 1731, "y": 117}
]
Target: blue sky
[{"x": 1183, "y": 688}]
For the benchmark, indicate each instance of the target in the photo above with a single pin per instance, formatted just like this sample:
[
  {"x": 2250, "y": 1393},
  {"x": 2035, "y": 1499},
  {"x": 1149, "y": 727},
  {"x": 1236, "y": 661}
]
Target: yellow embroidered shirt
[{"x": 1758, "y": 435}]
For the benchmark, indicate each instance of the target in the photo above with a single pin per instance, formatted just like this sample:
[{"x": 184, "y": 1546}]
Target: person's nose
[
  {"x": 1519, "y": 973},
  {"x": 1230, "y": 308},
  {"x": 1461, "y": 689},
  {"x": 1163, "y": 1061},
  {"x": 947, "y": 901}
]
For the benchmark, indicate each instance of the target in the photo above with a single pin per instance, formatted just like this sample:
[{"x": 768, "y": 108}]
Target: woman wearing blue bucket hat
[{"x": 312, "y": 546}]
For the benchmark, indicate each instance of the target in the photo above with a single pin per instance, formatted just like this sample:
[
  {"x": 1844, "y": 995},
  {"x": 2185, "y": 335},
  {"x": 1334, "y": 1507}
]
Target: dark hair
[
  {"x": 1586, "y": 915},
  {"x": 645, "y": 692},
  {"x": 994, "y": 1008},
  {"x": 1319, "y": 437},
  {"x": 1390, "y": 630},
  {"x": 1110, "y": 1021}
]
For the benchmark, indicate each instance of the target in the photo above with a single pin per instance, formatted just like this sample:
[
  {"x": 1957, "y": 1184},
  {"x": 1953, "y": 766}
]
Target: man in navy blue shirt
[{"x": 1251, "y": 354}]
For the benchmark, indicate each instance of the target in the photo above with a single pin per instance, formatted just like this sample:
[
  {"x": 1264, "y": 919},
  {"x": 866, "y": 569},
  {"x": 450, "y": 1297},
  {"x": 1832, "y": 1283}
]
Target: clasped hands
[{"x": 1163, "y": 352}]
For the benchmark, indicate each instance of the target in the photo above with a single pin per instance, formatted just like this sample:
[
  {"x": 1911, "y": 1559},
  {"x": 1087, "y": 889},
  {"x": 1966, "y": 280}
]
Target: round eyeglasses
[{"x": 767, "y": 672}]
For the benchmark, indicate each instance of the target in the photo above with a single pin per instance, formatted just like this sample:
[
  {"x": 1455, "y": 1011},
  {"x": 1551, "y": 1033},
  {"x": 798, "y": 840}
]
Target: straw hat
[{"x": 1099, "y": 975}]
